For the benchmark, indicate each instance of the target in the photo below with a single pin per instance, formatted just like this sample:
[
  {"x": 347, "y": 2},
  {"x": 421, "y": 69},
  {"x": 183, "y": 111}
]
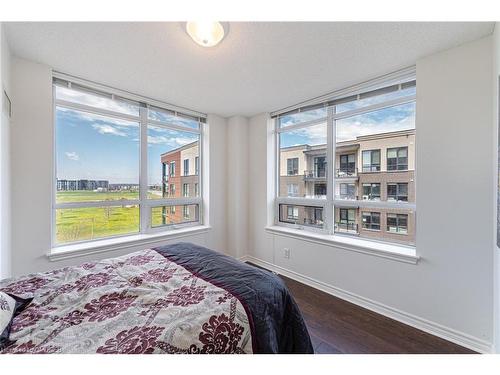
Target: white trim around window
[
  {"x": 146, "y": 232},
  {"x": 326, "y": 233}
]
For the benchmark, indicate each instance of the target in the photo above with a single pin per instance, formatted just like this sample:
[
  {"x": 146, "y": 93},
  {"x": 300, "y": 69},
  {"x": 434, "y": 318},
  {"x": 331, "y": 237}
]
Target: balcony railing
[
  {"x": 313, "y": 222},
  {"x": 315, "y": 174},
  {"x": 346, "y": 172},
  {"x": 350, "y": 197},
  {"x": 343, "y": 227}
]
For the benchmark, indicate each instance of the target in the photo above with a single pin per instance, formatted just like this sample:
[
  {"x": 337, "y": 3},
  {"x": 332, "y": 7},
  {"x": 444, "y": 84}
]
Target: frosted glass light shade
[{"x": 206, "y": 34}]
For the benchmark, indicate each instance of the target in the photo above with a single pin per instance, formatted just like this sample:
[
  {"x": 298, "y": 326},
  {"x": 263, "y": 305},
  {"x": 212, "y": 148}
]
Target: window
[
  {"x": 319, "y": 166},
  {"x": 197, "y": 165},
  {"x": 164, "y": 216},
  {"x": 293, "y": 190},
  {"x": 186, "y": 212},
  {"x": 347, "y": 165},
  {"x": 185, "y": 190},
  {"x": 397, "y": 159},
  {"x": 101, "y": 187},
  {"x": 397, "y": 223},
  {"x": 304, "y": 216},
  {"x": 347, "y": 220},
  {"x": 347, "y": 191},
  {"x": 172, "y": 169},
  {"x": 371, "y": 220},
  {"x": 196, "y": 191},
  {"x": 304, "y": 147},
  {"x": 320, "y": 146},
  {"x": 186, "y": 167},
  {"x": 371, "y": 161},
  {"x": 293, "y": 213},
  {"x": 292, "y": 166},
  {"x": 371, "y": 191},
  {"x": 397, "y": 192}
]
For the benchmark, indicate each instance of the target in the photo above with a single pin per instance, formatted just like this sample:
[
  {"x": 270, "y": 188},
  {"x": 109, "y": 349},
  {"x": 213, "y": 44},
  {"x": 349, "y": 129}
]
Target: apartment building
[
  {"x": 71, "y": 185},
  {"x": 180, "y": 178},
  {"x": 376, "y": 168}
]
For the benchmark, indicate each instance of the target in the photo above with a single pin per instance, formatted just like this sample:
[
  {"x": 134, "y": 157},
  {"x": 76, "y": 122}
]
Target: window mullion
[
  {"x": 330, "y": 182},
  {"x": 143, "y": 173}
]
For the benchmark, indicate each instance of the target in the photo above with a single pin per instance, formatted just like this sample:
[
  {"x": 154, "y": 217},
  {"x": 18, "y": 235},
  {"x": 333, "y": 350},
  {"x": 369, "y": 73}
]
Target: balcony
[
  {"x": 315, "y": 175},
  {"x": 346, "y": 227},
  {"x": 349, "y": 197},
  {"x": 346, "y": 173}
]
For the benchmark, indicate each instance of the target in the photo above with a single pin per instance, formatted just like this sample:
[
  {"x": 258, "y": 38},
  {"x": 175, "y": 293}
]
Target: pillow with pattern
[{"x": 10, "y": 306}]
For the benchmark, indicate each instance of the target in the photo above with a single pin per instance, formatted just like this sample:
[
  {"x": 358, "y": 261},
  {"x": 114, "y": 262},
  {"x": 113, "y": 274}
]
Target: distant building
[
  {"x": 72, "y": 185},
  {"x": 122, "y": 187},
  {"x": 378, "y": 167},
  {"x": 180, "y": 178}
]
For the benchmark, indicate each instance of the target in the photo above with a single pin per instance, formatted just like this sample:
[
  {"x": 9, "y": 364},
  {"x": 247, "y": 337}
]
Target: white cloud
[
  {"x": 351, "y": 128},
  {"x": 108, "y": 129},
  {"x": 97, "y": 101},
  {"x": 172, "y": 142},
  {"x": 72, "y": 156},
  {"x": 98, "y": 118}
]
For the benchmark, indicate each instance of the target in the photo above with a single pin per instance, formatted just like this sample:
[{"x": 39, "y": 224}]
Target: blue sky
[
  {"x": 390, "y": 119},
  {"x": 95, "y": 147}
]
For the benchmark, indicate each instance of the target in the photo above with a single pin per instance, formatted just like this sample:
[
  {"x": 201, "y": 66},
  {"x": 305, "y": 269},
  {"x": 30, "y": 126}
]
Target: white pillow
[{"x": 7, "y": 310}]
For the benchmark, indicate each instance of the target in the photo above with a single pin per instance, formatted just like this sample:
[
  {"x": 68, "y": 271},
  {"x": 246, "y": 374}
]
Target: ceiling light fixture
[{"x": 206, "y": 34}]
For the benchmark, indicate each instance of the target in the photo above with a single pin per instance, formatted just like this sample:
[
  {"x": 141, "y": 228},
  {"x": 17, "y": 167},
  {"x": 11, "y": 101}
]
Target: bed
[{"x": 178, "y": 298}]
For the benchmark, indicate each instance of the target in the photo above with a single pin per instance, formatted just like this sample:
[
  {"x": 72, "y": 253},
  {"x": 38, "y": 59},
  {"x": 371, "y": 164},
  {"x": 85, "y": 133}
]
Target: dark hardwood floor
[{"x": 338, "y": 326}]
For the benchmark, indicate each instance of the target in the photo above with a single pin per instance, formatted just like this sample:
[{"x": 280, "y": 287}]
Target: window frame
[
  {"x": 370, "y": 224},
  {"x": 144, "y": 204},
  {"x": 397, "y": 216},
  {"x": 185, "y": 190},
  {"x": 293, "y": 169},
  {"x": 295, "y": 191},
  {"x": 371, "y": 195},
  {"x": 371, "y": 165},
  {"x": 397, "y": 159},
  {"x": 398, "y": 194},
  {"x": 331, "y": 202}
]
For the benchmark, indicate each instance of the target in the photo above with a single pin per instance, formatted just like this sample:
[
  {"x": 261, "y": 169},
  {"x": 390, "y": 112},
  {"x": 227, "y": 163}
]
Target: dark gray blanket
[{"x": 276, "y": 322}]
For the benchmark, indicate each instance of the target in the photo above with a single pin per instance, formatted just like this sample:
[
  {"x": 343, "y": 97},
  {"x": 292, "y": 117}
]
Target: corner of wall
[
  {"x": 237, "y": 173},
  {"x": 496, "y": 182},
  {"x": 5, "y": 210}
]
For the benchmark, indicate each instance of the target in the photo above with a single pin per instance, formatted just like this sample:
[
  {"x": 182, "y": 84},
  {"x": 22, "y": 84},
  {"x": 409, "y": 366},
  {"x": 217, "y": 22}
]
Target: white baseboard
[{"x": 435, "y": 329}]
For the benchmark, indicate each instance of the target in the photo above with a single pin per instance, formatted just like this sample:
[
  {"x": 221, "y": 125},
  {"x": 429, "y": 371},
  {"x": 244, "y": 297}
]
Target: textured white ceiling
[{"x": 258, "y": 67}]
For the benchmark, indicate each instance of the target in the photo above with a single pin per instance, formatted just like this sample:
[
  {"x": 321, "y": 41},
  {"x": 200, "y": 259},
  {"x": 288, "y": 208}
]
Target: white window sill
[
  {"x": 401, "y": 253},
  {"x": 119, "y": 243}
]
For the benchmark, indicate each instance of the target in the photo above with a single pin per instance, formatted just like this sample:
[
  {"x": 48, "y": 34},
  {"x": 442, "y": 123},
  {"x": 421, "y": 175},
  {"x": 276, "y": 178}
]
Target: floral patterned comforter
[{"x": 139, "y": 303}]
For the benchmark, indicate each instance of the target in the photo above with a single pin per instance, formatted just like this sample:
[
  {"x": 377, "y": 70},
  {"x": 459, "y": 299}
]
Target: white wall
[
  {"x": 32, "y": 148},
  {"x": 496, "y": 124},
  {"x": 451, "y": 288},
  {"x": 5, "y": 84},
  {"x": 237, "y": 188}
]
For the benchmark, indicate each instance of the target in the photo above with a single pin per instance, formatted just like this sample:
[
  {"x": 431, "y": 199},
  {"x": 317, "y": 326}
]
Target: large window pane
[
  {"x": 346, "y": 220},
  {"x": 302, "y": 117},
  {"x": 97, "y": 157},
  {"x": 173, "y": 215},
  {"x": 380, "y": 224},
  {"x": 92, "y": 98},
  {"x": 303, "y": 162},
  {"x": 308, "y": 216},
  {"x": 172, "y": 163},
  {"x": 84, "y": 224},
  {"x": 387, "y": 120},
  {"x": 169, "y": 117},
  {"x": 375, "y": 97}
]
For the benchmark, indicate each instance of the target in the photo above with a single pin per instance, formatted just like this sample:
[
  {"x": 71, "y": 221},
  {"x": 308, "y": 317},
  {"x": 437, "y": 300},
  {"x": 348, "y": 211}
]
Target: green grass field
[{"x": 80, "y": 224}]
